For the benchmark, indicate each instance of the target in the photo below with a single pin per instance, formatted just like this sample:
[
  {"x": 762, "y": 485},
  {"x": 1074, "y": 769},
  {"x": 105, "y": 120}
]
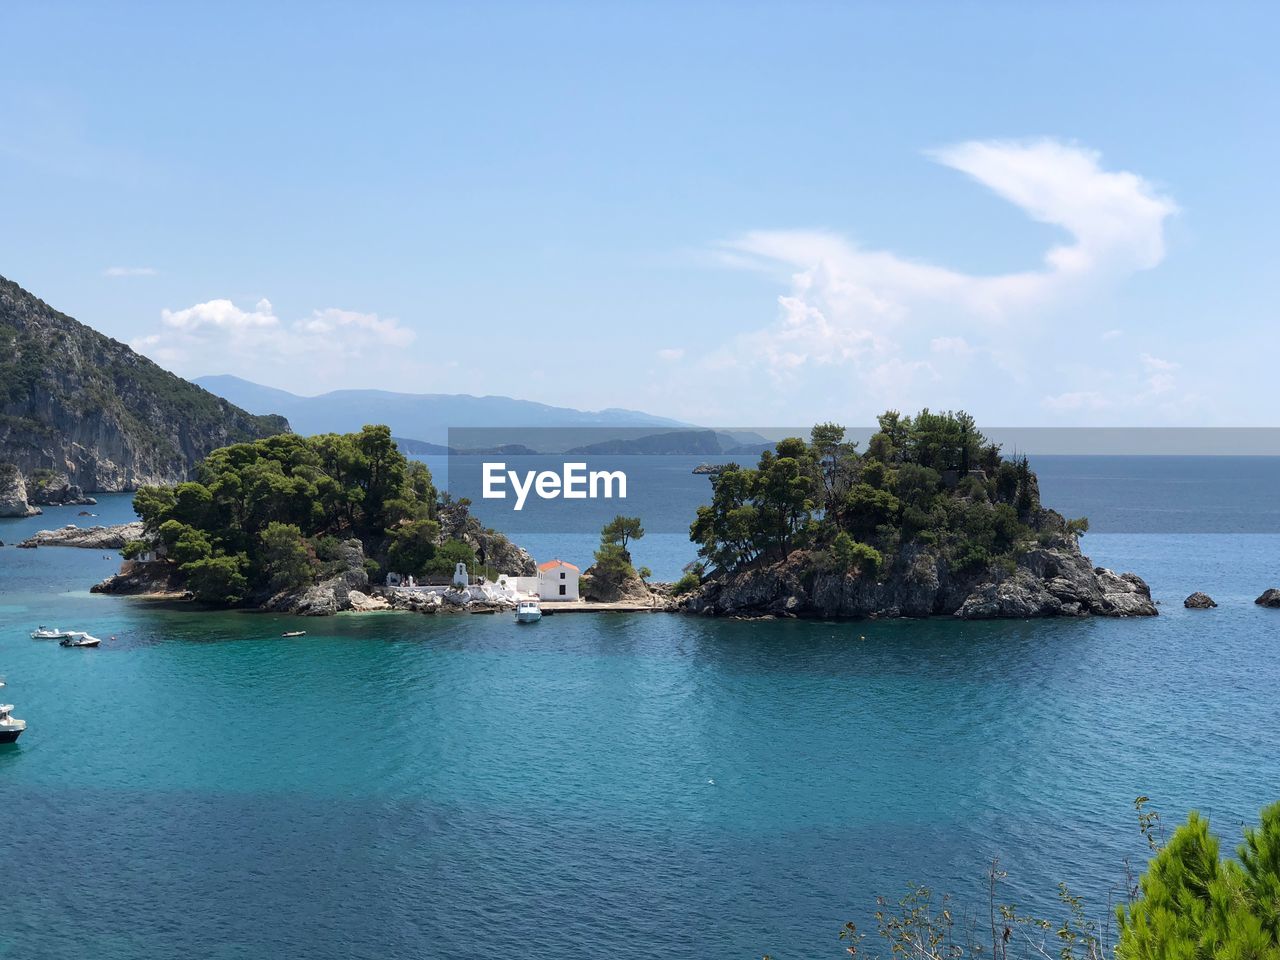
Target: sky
[{"x": 730, "y": 213}]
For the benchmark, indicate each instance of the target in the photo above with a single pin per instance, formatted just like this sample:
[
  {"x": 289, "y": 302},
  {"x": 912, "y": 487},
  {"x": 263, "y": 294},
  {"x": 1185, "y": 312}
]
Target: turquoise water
[{"x": 647, "y": 786}]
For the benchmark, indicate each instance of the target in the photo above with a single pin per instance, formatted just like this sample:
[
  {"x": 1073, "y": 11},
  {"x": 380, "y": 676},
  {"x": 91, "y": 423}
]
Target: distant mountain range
[
  {"x": 78, "y": 404},
  {"x": 709, "y": 443},
  {"x": 425, "y": 417}
]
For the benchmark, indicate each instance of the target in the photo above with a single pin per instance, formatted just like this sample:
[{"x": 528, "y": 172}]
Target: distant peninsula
[{"x": 930, "y": 520}]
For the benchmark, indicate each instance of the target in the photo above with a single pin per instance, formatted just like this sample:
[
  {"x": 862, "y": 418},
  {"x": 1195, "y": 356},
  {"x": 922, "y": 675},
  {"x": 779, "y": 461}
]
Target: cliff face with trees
[
  {"x": 930, "y": 519},
  {"x": 78, "y": 404}
]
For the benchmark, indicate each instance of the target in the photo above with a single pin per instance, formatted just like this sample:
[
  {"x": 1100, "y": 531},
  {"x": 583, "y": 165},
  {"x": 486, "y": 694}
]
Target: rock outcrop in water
[
  {"x": 1269, "y": 598},
  {"x": 1054, "y": 580},
  {"x": 89, "y": 538},
  {"x": 931, "y": 520},
  {"x": 13, "y": 494},
  {"x": 154, "y": 579},
  {"x": 88, "y": 410},
  {"x": 344, "y": 589},
  {"x": 1199, "y": 601},
  {"x": 50, "y": 489}
]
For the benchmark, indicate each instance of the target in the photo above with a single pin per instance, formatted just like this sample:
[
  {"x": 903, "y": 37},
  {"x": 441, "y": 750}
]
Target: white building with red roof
[{"x": 558, "y": 580}]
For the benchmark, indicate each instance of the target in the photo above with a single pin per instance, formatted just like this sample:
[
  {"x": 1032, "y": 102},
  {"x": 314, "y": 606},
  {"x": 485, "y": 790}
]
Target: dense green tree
[
  {"x": 413, "y": 547},
  {"x": 448, "y": 555},
  {"x": 932, "y": 479},
  {"x": 284, "y": 556},
  {"x": 620, "y": 530},
  {"x": 219, "y": 579},
  {"x": 254, "y": 506},
  {"x": 1193, "y": 904}
]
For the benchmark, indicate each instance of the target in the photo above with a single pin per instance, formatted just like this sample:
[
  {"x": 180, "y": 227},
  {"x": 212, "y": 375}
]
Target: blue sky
[{"x": 730, "y": 213}]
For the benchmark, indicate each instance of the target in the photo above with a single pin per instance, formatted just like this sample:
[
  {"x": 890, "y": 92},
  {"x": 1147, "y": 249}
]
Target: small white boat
[
  {"x": 78, "y": 638},
  {"x": 528, "y": 611},
  {"x": 294, "y": 633},
  {"x": 46, "y": 633},
  {"x": 10, "y": 726}
]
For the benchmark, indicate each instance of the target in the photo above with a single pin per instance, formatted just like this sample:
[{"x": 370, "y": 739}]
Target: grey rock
[
  {"x": 56, "y": 490},
  {"x": 147, "y": 579},
  {"x": 598, "y": 586},
  {"x": 1269, "y": 598},
  {"x": 90, "y": 538},
  {"x": 99, "y": 414},
  {"x": 1199, "y": 601},
  {"x": 344, "y": 590},
  {"x": 456, "y": 523},
  {"x": 13, "y": 494},
  {"x": 1053, "y": 580}
]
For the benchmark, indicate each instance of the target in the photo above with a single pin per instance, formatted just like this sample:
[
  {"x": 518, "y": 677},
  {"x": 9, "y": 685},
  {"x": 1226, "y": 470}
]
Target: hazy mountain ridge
[
  {"x": 76, "y": 402},
  {"x": 425, "y": 417}
]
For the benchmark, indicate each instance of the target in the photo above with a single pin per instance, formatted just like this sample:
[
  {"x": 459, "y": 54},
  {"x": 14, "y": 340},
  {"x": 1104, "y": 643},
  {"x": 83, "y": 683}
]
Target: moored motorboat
[
  {"x": 10, "y": 726},
  {"x": 49, "y": 633},
  {"x": 528, "y": 611},
  {"x": 294, "y": 633},
  {"x": 78, "y": 638}
]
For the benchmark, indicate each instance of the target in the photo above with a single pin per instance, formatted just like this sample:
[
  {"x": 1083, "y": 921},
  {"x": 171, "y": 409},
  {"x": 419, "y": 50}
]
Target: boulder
[
  {"x": 1199, "y": 601},
  {"x": 603, "y": 588},
  {"x": 345, "y": 585},
  {"x": 1269, "y": 598},
  {"x": 363, "y": 603},
  {"x": 158, "y": 579},
  {"x": 13, "y": 494},
  {"x": 53, "y": 490}
]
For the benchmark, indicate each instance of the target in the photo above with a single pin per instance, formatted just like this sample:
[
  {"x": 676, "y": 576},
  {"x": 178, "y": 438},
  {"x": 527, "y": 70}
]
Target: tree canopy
[
  {"x": 932, "y": 479},
  {"x": 265, "y": 515}
]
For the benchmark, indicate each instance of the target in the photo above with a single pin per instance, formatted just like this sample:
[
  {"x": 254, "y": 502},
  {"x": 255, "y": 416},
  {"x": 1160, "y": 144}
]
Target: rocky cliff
[
  {"x": 13, "y": 494},
  {"x": 1050, "y": 580},
  {"x": 86, "y": 408}
]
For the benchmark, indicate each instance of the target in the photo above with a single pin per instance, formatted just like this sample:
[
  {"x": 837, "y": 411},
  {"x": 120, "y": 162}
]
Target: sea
[{"x": 639, "y": 785}]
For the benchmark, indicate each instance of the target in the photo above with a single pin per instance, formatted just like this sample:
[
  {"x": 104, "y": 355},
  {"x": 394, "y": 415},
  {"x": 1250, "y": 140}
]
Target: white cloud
[
  {"x": 220, "y": 315},
  {"x": 219, "y": 336},
  {"x": 671, "y": 354},
  {"x": 367, "y": 325},
  {"x": 857, "y": 307},
  {"x": 955, "y": 346},
  {"x": 1112, "y": 334},
  {"x": 130, "y": 272},
  {"x": 1077, "y": 400},
  {"x": 1151, "y": 384},
  {"x": 1159, "y": 375}
]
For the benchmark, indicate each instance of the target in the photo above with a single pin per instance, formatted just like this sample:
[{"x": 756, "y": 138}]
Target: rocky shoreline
[
  {"x": 88, "y": 538},
  {"x": 1051, "y": 580}
]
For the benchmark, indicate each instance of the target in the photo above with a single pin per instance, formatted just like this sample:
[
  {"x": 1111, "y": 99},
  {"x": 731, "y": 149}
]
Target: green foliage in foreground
[
  {"x": 932, "y": 480},
  {"x": 1191, "y": 903},
  {"x": 270, "y": 514}
]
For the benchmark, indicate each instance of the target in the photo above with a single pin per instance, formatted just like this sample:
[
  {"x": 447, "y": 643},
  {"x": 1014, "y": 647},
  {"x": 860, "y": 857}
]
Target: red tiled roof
[{"x": 556, "y": 563}]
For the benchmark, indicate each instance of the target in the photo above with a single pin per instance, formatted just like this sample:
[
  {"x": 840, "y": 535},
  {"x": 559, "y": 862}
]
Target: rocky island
[
  {"x": 304, "y": 525},
  {"x": 931, "y": 520}
]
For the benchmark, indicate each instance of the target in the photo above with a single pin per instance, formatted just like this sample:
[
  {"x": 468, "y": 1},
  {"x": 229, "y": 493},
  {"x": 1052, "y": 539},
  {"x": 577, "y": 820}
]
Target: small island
[
  {"x": 304, "y": 525},
  {"x": 930, "y": 520}
]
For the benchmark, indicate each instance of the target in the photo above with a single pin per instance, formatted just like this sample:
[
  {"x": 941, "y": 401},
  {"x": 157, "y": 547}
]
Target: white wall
[{"x": 550, "y": 581}]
